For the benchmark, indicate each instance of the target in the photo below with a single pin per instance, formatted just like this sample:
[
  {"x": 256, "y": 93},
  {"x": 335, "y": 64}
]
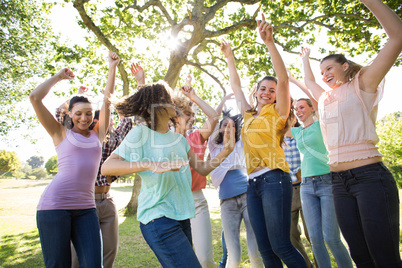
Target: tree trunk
[
  {"x": 177, "y": 61},
  {"x": 131, "y": 208}
]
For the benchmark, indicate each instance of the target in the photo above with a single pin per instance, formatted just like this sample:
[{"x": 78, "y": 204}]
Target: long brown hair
[
  {"x": 289, "y": 120},
  {"x": 288, "y": 123},
  {"x": 148, "y": 99},
  {"x": 353, "y": 69}
]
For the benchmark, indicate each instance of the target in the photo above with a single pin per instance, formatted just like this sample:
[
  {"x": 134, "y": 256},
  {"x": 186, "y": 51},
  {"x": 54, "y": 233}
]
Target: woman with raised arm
[
  {"x": 231, "y": 180},
  {"x": 201, "y": 228},
  {"x": 269, "y": 193},
  {"x": 316, "y": 188},
  {"x": 161, "y": 158},
  {"x": 365, "y": 193},
  {"x": 66, "y": 210}
]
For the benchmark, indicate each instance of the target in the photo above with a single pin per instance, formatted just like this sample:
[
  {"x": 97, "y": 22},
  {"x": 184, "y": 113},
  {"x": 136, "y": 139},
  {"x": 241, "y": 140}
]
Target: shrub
[
  {"x": 51, "y": 165},
  {"x": 38, "y": 173}
]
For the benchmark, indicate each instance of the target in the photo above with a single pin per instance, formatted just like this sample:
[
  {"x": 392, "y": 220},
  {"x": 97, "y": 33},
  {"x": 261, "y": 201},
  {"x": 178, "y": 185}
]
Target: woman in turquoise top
[
  {"x": 316, "y": 189},
  {"x": 161, "y": 158}
]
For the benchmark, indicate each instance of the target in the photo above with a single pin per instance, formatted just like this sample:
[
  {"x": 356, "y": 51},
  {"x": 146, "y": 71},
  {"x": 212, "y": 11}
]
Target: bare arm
[
  {"x": 209, "y": 125},
  {"x": 115, "y": 165},
  {"x": 234, "y": 78},
  {"x": 205, "y": 167},
  {"x": 304, "y": 88},
  {"x": 282, "y": 92},
  {"x": 222, "y": 104},
  {"x": 54, "y": 128},
  {"x": 104, "y": 115},
  {"x": 372, "y": 75},
  {"x": 315, "y": 89}
]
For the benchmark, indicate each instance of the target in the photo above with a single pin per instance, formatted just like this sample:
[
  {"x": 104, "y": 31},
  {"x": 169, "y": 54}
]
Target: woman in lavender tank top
[{"x": 66, "y": 211}]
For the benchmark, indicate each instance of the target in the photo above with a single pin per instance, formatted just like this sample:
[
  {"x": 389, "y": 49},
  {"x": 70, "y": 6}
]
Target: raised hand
[
  {"x": 113, "y": 59},
  {"x": 82, "y": 90},
  {"x": 138, "y": 73},
  {"x": 265, "y": 29},
  {"x": 226, "y": 49},
  {"x": 188, "y": 92},
  {"x": 161, "y": 167},
  {"x": 305, "y": 54},
  {"x": 66, "y": 73},
  {"x": 229, "y": 139},
  {"x": 229, "y": 96},
  {"x": 188, "y": 81}
]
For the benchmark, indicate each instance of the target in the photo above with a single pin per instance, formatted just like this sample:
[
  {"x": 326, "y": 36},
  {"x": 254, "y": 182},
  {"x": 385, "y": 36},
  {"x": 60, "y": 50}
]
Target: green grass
[{"x": 19, "y": 239}]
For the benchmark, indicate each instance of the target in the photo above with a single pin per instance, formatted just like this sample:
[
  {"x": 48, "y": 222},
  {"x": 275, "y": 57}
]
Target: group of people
[{"x": 331, "y": 161}]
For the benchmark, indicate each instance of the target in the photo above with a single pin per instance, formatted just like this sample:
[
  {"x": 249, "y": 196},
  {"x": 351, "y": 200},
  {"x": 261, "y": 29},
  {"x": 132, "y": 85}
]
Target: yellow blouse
[{"x": 261, "y": 139}]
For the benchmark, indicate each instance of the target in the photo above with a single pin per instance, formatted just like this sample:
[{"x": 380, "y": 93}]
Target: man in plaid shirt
[
  {"x": 105, "y": 206},
  {"x": 292, "y": 156}
]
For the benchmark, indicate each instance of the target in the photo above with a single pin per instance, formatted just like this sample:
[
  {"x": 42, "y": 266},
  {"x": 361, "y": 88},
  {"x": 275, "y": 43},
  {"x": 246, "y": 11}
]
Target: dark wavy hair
[
  {"x": 143, "y": 104},
  {"x": 353, "y": 69},
  {"x": 238, "y": 122},
  {"x": 67, "y": 121}
]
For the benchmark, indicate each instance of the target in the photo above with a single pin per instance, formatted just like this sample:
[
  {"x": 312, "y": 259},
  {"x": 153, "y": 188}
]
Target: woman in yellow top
[{"x": 269, "y": 192}]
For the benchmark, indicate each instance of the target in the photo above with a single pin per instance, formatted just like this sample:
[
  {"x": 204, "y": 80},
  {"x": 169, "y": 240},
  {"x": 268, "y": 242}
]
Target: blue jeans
[
  {"x": 233, "y": 211},
  {"x": 58, "y": 227},
  {"x": 170, "y": 240},
  {"x": 319, "y": 215},
  {"x": 269, "y": 202},
  {"x": 367, "y": 208}
]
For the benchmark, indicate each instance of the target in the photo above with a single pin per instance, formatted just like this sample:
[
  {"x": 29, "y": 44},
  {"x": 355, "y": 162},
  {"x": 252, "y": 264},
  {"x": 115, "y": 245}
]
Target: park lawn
[{"x": 19, "y": 239}]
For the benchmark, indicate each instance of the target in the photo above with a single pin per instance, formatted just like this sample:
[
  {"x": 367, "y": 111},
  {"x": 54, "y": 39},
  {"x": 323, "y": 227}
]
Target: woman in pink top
[
  {"x": 365, "y": 193},
  {"x": 66, "y": 211},
  {"x": 201, "y": 229}
]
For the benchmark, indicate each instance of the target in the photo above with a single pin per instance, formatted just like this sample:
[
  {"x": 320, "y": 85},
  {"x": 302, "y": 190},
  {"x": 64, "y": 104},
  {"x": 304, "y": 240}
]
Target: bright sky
[{"x": 64, "y": 22}]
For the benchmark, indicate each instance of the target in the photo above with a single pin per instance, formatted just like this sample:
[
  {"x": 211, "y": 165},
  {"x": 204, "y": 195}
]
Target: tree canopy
[
  {"x": 8, "y": 162},
  {"x": 51, "y": 165},
  {"x": 193, "y": 31},
  {"x": 170, "y": 38},
  {"x": 389, "y": 131},
  {"x": 27, "y": 45},
  {"x": 36, "y": 161}
]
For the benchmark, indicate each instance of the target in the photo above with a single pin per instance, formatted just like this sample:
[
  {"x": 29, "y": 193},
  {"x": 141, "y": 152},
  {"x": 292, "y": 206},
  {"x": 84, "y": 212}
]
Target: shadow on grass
[{"x": 21, "y": 250}]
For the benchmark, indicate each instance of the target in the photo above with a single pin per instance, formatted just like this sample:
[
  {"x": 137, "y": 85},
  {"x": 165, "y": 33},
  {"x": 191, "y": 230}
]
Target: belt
[
  {"x": 296, "y": 184},
  {"x": 102, "y": 196}
]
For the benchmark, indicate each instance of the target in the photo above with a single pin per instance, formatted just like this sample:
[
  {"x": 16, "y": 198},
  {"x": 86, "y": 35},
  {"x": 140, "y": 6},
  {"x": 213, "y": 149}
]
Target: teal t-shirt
[
  {"x": 162, "y": 194},
  {"x": 314, "y": 155}
]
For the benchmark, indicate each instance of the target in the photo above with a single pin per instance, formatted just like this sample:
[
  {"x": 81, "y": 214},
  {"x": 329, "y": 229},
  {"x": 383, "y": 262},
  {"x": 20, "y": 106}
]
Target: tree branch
[
  {"x": 79, "y": 5},
  {"x": 155, "y": 3},
  {"x": 316, "y": 21},
  {"x": 249, "y": 23},
  {"x": 198, "y": 66}
]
